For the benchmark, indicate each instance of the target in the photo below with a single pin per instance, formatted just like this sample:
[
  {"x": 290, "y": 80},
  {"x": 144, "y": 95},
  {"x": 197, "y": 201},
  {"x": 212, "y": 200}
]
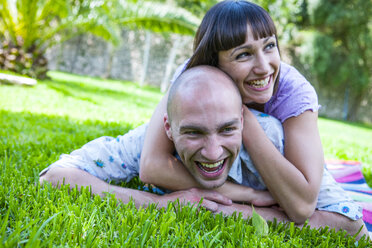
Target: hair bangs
[
  {"x": 231, "y": 30},
  {"x": 261, "y": 25},
  {"x": 232, "y": 23}
]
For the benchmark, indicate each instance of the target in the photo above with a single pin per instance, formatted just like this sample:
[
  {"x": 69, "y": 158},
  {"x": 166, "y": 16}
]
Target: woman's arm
[
  {"x": 240, "y": 193},
  {"x": 293, "y": 180},
  {"x": 158, "y": 165}
]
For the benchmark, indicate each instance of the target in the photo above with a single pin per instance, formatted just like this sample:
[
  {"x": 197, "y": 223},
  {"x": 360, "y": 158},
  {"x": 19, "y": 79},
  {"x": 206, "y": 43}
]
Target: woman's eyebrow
[
  {"x": 248, "y": 47},
  {"x": 268, "y": 38}
]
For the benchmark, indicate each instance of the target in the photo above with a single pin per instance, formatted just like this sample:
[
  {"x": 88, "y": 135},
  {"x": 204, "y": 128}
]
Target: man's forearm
[{"x": 76, "y": 177}]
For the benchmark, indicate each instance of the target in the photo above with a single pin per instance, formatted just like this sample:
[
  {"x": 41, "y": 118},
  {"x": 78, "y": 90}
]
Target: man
[
  {"x": 109, "y": 159},
  {"x": 204, "y": 121}
]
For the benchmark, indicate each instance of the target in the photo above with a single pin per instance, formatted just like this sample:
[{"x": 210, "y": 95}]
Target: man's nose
[{"x": 212, "y": 148}]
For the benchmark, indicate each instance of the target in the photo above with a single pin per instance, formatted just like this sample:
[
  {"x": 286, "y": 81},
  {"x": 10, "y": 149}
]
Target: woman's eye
[
  {"x": 243, "y": 55},
  {"x": 270, "y": 46}
]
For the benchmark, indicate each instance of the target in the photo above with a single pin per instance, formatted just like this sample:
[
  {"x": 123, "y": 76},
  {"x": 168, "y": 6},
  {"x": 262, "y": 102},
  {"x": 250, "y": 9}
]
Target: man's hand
[{"x": 211, "y": 199}]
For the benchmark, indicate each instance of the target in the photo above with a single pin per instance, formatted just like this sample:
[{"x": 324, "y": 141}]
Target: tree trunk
[
  {"x": 76, "y": 54},
  {"x": 111, "y": 53},
  {"x": 146, "y": 56},
  {"x": 177, "y": 44},
  {"x": 168, "y": 68},
  {"x": 354, "y": 106}
]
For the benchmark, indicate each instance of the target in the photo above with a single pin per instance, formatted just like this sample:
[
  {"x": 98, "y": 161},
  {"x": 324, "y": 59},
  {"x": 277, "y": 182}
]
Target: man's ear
[{"x": 167, "y": 126}]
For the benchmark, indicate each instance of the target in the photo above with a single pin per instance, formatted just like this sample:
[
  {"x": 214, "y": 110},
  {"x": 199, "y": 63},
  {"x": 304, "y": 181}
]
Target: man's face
[{"x": 207, "y": 133}]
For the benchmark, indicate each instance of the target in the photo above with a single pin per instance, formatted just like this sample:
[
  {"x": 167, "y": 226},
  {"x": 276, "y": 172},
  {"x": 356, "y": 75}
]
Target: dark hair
[{"x": 224, "y": 26}]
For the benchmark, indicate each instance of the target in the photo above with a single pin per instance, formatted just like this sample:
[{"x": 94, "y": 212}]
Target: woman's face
[{"x": 254, "y": 66}]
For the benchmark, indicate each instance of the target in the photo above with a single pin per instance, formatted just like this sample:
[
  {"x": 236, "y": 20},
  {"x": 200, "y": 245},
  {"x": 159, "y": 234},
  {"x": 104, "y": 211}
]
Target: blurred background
[{"x": 329, "y": 41}]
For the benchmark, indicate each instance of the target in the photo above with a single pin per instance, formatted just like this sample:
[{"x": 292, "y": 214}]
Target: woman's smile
[{"x": 260, "y": 84}]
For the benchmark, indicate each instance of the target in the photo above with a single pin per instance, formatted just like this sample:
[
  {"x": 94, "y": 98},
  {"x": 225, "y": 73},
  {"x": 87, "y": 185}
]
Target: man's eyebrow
[
  {"x": 229, "y": 123},
  {"x": 205, "y": 129},
  {"x": 192, "y": 127}
]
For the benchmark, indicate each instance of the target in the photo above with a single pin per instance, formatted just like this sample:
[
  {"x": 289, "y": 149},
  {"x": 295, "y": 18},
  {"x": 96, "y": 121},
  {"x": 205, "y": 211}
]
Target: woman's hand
[
  {"x": 240, "y": 193},
  {"x": 208, "y": 199}
]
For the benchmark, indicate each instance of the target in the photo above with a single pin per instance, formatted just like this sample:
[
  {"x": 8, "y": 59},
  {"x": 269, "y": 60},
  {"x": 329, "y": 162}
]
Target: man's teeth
[
  {"x": 259, "y": 83},
  {"x": 214, "y": 165},
  {"x": 211, "y": 167}
]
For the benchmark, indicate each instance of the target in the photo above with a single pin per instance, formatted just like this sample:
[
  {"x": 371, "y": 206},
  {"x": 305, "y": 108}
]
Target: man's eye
[
  {"x": 228, "y": 129},
  {"x": 193, "y": 133}
]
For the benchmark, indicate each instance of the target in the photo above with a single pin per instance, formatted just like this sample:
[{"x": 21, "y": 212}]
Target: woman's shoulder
[
  {"x": 294, "y": 95},
  {"x": 292, "y": 82},
  {"x": 289, "y": 74}
]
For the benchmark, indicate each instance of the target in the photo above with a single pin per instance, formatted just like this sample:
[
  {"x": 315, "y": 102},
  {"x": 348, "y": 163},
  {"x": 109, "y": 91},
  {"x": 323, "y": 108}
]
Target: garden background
[{"x": 132, "y": 49}]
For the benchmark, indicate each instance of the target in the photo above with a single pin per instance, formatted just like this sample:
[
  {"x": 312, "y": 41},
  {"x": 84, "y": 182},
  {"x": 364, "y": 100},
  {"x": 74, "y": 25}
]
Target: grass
[{"x": 39, "y": 123}]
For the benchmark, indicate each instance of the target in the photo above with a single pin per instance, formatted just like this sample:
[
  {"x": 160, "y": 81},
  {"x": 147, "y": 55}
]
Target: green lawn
[{"x": 39, "y": 123}]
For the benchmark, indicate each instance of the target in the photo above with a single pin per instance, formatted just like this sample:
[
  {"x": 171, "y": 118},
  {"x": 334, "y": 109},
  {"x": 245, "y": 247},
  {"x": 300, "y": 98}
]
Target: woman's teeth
[
  {"x": 259, "y": 83},
  {"x": 211, "y": 167}
]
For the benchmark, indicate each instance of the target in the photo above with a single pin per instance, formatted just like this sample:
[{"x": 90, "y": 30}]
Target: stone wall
[{"x": 91, "y": 56}]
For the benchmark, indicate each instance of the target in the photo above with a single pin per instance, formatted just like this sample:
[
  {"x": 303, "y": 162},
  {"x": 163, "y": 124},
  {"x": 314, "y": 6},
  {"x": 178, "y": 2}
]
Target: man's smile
[{"x": 211, "y": 170}]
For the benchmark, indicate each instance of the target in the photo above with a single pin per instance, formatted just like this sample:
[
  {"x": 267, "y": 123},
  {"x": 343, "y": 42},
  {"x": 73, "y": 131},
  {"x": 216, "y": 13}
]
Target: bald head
[{"x": 201, "y": 83}]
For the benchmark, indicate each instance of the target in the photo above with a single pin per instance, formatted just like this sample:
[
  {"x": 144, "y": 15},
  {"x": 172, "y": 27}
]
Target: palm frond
[
  {"x": 157, "y": 18},
  {"x": 7, "y": 21}
]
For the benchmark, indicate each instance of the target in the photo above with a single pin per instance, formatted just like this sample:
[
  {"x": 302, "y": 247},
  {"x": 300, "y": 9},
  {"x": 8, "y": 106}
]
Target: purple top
[{"x": 294, "y": 96}]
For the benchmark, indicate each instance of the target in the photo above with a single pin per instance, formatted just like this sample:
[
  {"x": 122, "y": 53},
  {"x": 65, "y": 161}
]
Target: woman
[{"x": 240, "y": 38}]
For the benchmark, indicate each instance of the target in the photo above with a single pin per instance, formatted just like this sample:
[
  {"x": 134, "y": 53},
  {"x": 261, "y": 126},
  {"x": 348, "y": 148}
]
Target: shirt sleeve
[{"x": 294, "y": 96}]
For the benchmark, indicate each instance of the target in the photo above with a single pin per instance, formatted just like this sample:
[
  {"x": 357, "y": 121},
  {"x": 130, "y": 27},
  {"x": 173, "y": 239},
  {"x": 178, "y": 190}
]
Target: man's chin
[{"x": 212, "y": 184}]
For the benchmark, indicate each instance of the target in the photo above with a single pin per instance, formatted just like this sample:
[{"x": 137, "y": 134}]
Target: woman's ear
[{"x": 167, "y": 126}]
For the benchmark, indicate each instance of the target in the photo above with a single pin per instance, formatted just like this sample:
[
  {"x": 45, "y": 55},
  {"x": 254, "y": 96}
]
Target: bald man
[{"x": 196, "y": 109}]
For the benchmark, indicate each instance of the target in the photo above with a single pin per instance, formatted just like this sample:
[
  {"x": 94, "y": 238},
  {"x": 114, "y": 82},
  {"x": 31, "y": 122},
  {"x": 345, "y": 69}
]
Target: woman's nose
[{"x": 261, "y": 65}]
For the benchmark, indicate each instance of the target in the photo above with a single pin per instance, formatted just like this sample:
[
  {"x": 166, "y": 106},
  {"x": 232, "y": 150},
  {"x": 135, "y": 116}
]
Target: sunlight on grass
[
  {"x": 83, "y": 98},
  {"x": 38, "y": 124}
]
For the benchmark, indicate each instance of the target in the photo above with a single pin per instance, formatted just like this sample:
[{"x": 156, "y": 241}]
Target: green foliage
[
  {"x": 197, "y": 7},
  {"x": 156, "y": 17},
  {"x": 31, "y": 26},
  {"x": 341, "y": 48},
  {"x": 38, "y": 124},
  {"x": 259, "y": 223}
]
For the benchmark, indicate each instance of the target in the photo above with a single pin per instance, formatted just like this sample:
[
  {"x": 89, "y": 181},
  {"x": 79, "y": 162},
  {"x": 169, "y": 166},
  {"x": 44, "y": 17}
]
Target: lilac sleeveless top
[{"x": 294, "y": 96}]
